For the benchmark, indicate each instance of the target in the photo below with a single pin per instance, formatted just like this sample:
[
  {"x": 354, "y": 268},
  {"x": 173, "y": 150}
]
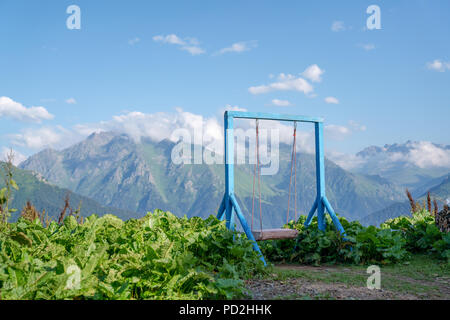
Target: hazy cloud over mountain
[{"x": 422, "y": 154}]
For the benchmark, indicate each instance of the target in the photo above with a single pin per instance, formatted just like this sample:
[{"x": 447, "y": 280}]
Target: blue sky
[{"x": 391, "y": 85}]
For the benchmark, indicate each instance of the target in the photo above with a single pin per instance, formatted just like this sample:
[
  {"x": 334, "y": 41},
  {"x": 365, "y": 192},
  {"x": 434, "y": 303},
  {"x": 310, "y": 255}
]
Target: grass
[
  {"x": 422, "y": 276},
  {"x": 421, "y": 267},
  {"x": 336, "y": 275},
  {"x": 305, "y": 297}
]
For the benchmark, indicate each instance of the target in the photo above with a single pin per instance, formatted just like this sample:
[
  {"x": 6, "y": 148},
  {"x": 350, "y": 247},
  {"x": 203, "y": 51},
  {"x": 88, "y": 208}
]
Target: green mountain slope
[
  {"x": 51, "y": 198},
  {"x": 394, "y": 210},
  {"x": 428, "y": 184},
  {"x": 442, "y": 191},
  {"x": 115, "y": 171}
]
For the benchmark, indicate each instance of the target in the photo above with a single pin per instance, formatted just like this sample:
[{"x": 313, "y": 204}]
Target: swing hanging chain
[
  {"x": 259, "y": 173},
  {"x": 254, "y": 178},
  {"x": 293, "y": 167}
]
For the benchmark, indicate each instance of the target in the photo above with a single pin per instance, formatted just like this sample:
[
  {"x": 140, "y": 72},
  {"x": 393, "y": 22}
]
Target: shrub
[
  {"x": 393, "y": 242},
  {"x": 157, "y": 257}
]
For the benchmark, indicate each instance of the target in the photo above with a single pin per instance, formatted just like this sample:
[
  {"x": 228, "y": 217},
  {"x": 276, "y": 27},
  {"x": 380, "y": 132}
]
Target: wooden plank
[{"x": 273, "y": 234}]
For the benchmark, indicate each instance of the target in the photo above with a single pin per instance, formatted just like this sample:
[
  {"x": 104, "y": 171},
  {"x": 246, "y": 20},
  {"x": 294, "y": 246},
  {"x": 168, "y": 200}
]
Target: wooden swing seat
[{"x": 275, "y": 234}]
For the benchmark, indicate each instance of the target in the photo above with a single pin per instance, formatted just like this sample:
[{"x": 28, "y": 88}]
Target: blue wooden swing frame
[{"x": 229, "y": 206}]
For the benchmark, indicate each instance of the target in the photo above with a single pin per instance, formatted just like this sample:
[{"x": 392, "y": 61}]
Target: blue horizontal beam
[{"x": 271, "y": 116}]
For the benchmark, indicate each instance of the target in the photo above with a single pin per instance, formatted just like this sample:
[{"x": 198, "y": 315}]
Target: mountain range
[
  {"x": 118, "y": 172},
  {"x": 415, "y": 165}
]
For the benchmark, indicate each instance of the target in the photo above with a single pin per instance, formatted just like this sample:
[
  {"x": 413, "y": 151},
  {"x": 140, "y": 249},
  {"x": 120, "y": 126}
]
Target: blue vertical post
[
  {"x": 246, "y": 228},
  {"x": 221, "y": 212},
  {"x": 333, "y": 216},
  {"x": 320, "y": 175},
  {"x": 229, "y": 169},
  {"x": 311, "y": 213}
]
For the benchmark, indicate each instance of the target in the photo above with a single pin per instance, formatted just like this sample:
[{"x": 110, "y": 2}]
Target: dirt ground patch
[
  {"x": 312, "y": 287},
  {"x": 304, "y": 289}
]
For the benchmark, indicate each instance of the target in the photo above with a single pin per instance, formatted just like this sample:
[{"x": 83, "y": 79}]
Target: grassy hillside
[
  {"x": 43, "y": 195},
  {"x": 441, "y": 191}
]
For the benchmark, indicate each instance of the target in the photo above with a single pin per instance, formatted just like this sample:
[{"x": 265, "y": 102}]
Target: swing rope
[
  {"x": 293, "y": 168},
  {"x": 257, "y": 172},
  {"x": 293, "y": 175}
]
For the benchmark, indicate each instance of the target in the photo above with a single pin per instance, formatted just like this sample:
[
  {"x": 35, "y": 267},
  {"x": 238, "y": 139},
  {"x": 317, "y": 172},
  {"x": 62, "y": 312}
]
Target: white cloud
[
  {"x": 239, "y": 47},
  {"x": 356, "y": 126},
  {"x": 193, "y": 50},
  {"x": 15, "y": 110},
  {"x": 162, "y": 125},
  {"x": 17, "y": 156},
  {"x": 313, "y": 73},
  {"x": 367, "y": 46},
  {"x": 133, "y": 41},
  {"x": 71, "y": 101},
  {"x": 171, "y": 38},
  {"x": 289, "y": 82},
  {"x": 338, "y": 26},
  {"x": 305, "y": 135},
  {"x": 425, "y": 154},
  {"x": 345, "y": 160},
  {"x": 422, "y": 154},
  {"x": 438, "y": 65},
  {"x": 281, "y": 103},
  {"x": 229, "y": 107},
  {"x": 157, "y": 127},
  {"x": 44, "y": 137},
  {"x": 332, "y": 100},
  {"x": 337, "y": 132},
  {"x": 286, "y": 82},
  {"x": 187, "y": 44}
]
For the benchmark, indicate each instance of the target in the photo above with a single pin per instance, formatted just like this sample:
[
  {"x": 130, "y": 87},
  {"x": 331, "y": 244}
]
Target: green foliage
[
  {"x": 421, "y": 234},
  {"x": 7, "y": 169},
  {"x": 395, "y": 241},
  {"x": 157, "y": 257}
]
